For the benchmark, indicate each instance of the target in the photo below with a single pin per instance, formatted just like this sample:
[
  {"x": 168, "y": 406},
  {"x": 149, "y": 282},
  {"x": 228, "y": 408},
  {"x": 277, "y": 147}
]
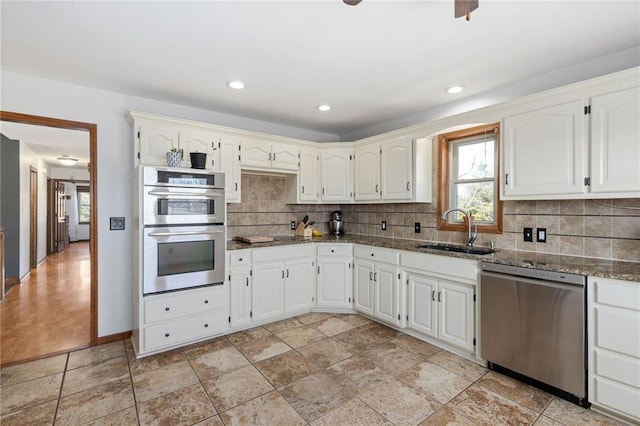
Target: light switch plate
[{"x": 116, "y": 223}]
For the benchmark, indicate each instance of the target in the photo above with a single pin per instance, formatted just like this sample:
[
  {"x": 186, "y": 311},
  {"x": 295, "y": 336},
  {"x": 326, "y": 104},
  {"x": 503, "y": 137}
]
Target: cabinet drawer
[
  {"x": 617, "y": 396},
  {"x": 240, "y": 258},
  {"x": 617, "y": 330},
  {"x": 376, "y": 254},
  {"x": 616, "y": 293},
  {"x": 326, "y": 249},
  {"x": 184, "y": 330},
  {"x": 279, "y": 254},
  {"x": 617, "y": 367},
  {"x": 448, "y": 267},
  {"x": 176, "y": 305}
]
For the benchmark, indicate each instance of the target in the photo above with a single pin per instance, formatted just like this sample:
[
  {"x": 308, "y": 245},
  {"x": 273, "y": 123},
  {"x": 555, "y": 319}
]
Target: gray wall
[{"x": 10, "y": 206}]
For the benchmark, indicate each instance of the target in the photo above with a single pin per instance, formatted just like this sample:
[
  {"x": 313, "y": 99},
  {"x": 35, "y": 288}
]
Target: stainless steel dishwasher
[{"x": 532, "y": 325}]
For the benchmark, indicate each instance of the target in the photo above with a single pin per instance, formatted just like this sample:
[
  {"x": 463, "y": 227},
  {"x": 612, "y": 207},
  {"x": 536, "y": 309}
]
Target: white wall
[
  {"x": 29, "y": 159},
  {"x": 30, "y": 95}
]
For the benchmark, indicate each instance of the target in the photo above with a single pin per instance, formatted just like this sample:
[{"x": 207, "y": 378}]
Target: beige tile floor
[{"x": 317, "y": 369}]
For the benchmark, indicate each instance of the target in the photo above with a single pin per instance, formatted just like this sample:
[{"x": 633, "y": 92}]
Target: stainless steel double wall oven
[{"x": 184, "y": 228}]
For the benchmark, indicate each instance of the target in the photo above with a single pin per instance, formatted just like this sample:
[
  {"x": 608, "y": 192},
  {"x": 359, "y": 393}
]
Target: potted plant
[
  {"x": 174, "y": 157},
  {"x": 198, "y": 160}
]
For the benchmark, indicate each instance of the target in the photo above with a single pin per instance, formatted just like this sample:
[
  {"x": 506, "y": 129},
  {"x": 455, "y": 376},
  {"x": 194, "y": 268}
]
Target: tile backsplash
[{"x": 593, "y": 228}]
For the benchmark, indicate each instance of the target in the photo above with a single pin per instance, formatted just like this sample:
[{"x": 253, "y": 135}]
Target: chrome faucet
[{"x": 470, "y": 237}]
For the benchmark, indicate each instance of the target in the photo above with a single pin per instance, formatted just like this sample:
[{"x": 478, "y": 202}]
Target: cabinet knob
[
  {"x": 332, "y": 251},
  {"x": 240, "y": 259},
  {"x": 206, "y": 301},
  {"x": 371, "y": 254},
  {"x": 206, "y": 325},
  {"x": 167, "y": 309},
  {"x": 166, "y": 335}
]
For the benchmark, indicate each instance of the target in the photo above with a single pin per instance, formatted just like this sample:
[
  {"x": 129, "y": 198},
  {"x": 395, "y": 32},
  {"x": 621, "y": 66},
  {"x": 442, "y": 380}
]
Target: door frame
[
  {"x": 33, "y": 218},
  {"x": 92, "y": 128}
]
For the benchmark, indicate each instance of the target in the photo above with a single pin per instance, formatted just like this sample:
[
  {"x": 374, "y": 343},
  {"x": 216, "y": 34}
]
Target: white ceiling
[{"x": 374, "y": 63}]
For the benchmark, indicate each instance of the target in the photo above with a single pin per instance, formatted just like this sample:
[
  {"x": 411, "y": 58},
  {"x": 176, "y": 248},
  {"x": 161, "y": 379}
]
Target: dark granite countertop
[{"x": 628, "y": 271}]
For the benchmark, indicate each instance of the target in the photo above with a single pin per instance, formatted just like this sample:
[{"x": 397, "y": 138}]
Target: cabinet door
[
  {"x": 615, "y": 142},
  {"x": 335, "y": 282},
  {"x": 367, "y": 173},
  {"x": 156, "y": 140},
  {"x": 268, "y": 290},
  {"x": 423, "y": 312},
  {"x": 455, "y": 319},
  {"x": 336, "y": 175},
  {"x": 387, "y": 298},
  {"x": 284, "y": 156},
  {"x": 194, "y": 140},
  {"x": 299, "y": 284},
  {"x": 256, "y": 153},
  {"x": 309, "y": 175},
  {"x": 240, "y": 308},
  {"x": 230, "y": 165},
  {"x": 363, "y": 283},
  {"x": 545, "y": 152},
  {"x": 396, "y": 171}
]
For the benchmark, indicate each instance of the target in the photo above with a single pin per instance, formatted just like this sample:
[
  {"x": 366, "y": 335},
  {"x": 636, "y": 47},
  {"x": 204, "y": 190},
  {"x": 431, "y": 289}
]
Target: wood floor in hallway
[{"x": 49, "y": 312}]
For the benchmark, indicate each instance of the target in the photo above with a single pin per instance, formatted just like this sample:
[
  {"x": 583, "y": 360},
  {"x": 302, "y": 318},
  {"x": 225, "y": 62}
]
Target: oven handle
[
  {"x": 177, "y": 234},
  {"x": 184, "y": 194}
]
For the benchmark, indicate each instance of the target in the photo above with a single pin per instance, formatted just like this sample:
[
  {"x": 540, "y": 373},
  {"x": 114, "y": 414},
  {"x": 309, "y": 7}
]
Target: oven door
[
  {"x": 165, "y": 205},
  {"x": 180, "y": 257}
]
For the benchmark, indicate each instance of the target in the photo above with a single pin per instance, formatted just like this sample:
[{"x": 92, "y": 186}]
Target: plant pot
[
  {"x": 174, "y": 159},
  {"x": 198, "y": 160}
]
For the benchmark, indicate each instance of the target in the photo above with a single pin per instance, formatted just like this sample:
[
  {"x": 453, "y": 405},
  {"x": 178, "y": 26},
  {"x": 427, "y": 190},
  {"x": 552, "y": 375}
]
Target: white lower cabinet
[
  {"x": 173, "y": 319},
  {"x": 377, "y": 284},
  {"x": 268, "y": 290},
  {"x": 613, "y": 320},
  {"x": 335, "y": 276},
  {"x": 240, "y": 288}
]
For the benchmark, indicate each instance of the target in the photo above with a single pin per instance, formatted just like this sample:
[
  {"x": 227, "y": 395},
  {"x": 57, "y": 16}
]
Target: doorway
[{"x": 93, "y": 236}]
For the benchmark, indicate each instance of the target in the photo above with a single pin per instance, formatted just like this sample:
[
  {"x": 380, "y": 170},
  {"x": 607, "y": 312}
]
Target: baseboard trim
[{"x": 113, "y": 337}]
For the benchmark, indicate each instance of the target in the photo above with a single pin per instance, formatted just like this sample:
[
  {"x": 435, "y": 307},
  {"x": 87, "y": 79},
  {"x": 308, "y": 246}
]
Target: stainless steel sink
[{"x": 459, "y": 248}]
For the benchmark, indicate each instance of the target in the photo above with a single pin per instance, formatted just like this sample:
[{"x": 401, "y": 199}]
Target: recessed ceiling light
[
  {"x": 324, "y": 108},
  {"x": 235, "y": 84},
  {"x": 454, "y": 89}
]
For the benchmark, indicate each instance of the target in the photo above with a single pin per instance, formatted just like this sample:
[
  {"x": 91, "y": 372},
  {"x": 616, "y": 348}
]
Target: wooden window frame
[{"x": 444, "y": 178}]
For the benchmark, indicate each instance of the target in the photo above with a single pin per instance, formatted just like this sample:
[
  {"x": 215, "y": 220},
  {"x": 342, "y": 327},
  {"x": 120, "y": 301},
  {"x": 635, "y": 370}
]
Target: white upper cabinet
[
  {"x": 394, "y": 170},
  {"x": 545, "y": 151},
  {"x": 264, "y": 154},
  {"x": 615, "y": 142},
  {"x": 195, "y": 140},
  {"x": 586, "y": 148},
  {"x": 309, "y": 175},
  {"x": 229, "y": 163},
  {"x": 336, "y": 172},
  {"x": 155, "y": 140}
]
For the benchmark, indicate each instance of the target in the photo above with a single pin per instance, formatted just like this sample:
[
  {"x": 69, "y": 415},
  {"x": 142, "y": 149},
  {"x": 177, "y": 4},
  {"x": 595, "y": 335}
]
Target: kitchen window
[
  {"x": 468, "y": 178},
  {"x": 84, "y": 204}
]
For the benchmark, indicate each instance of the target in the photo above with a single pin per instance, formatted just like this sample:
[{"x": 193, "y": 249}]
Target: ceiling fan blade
[
  {"x": 465, "y": 7},
  {"x": 352, "y": 2}
]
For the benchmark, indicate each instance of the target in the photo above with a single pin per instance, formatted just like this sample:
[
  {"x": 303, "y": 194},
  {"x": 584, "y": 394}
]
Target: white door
[
  {"x": 230, "y": 165},
  {"x": 455, "y": 319},
  {"x": 240, "y": 308},
  {"x": 268, "y": 290},
  {"x": 309, "y": 175},
  {"x": 335, "y": 281},
  {"x": 386, "y": 282},
  {"x": 194, "y": 140},
  {"x": 396, "y": 171},
  {"x": 155, "y": 141},
  {"x": 423, "y": 312},
  {"x": 256, "y": 153},
  {"x": 367, "y": 173},
  {"x": 545, "y": 151},
  {"x": 615, "y": 142},
  {"x": 363, "y": 286},
  {"x": 299, "y": 284},
  {"x": 336, "y": 175},
  {"x": 284, "y": 156}
]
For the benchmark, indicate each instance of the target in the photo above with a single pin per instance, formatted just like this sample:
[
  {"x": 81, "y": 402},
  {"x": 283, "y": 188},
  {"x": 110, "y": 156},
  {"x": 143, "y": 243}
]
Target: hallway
[{"x": 50, "y": 311}]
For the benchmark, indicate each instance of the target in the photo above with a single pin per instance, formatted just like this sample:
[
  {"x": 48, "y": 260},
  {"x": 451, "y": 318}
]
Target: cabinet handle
[
  {"x": 303, "y": 189},
  {"x": 433, "y": 295},
  {"x": 287, "y": 273},
  {"x": 247, "y": 281},
  {"x": 167, "y": 309},
  {"x": 375, "y": 276},
  {"x": 236, "y": 186},
  {"x": 166, "y": 334},
  {"x": 439, "y": 296},
  {"x": 318, "y": 269},
  {"x": 408, "y": 186},
  {"x": 506, "y": 179},
  {"x": 269, "y": 156},
  {"x": 377, "y": 187},
  {"x": 322, "y": 191},
  {"x": 370, "y": 276},
  {"x": 206, "y": 301},
  {"x": 274, "y": 156}
]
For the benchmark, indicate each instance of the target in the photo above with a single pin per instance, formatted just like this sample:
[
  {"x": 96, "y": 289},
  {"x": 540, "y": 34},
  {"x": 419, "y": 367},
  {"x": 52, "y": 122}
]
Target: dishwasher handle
[{"x": 530, "y": 281}]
